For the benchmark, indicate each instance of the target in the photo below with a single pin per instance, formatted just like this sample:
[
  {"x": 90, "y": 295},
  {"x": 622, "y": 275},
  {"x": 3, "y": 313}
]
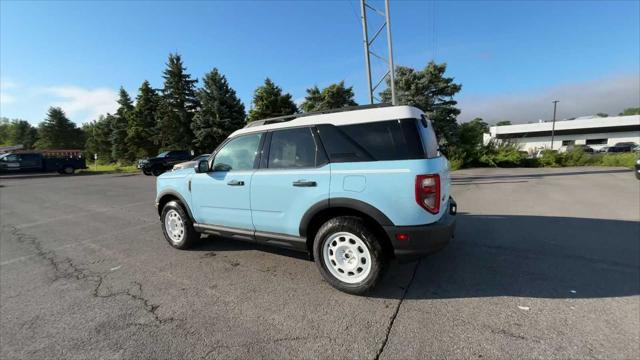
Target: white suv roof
[{"x": 346, "y": 117}]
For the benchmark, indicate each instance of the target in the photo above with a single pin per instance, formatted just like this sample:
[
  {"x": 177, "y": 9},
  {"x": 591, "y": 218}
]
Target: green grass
[{"x": 110, "y": 169}]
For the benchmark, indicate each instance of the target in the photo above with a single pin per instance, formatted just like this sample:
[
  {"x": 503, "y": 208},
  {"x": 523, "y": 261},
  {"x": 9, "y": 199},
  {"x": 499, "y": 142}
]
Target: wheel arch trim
[
  {"x": 175, "y": 194},
  {"x": 347, "y": 203}
]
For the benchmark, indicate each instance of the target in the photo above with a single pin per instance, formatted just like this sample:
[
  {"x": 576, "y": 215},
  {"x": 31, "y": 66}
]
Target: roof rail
[{"x": 285, "y": 118}]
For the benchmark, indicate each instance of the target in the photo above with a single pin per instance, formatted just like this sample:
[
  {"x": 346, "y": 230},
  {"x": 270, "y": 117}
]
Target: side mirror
[
  {"x": 203, "y": 166},
  {"x": 222, "y": 167}
]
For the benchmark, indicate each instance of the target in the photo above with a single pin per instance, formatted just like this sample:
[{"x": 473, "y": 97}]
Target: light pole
[{"x": 553, "y": 127}]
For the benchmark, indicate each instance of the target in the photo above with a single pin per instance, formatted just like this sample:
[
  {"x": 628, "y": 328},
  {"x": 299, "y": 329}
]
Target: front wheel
[
  {"x": 349, "y": 255},
  {"x": 146, "y": 172},
  {"x": 157, "y": 171},
  {"x": 177, "y": 226},
  {"x": 68, "y": 170}
]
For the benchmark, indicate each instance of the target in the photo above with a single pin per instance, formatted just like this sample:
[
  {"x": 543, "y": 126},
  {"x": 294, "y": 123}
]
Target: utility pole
[
  {"x": 553, "y": 127},
  {"x": 367, "y": 50}
]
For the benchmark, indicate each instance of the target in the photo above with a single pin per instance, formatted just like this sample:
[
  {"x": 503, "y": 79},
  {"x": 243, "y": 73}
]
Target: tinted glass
[
  {"x": 340, "y": 147},
  {"x": 239, "y": 153},
  {"x": 29, "y": 157},
  {"x": 384, "y": 140},
  {"x": 292, "y": 148},
  {"x": 10, "y": 158},
  {"x": 596, "y": 141}
]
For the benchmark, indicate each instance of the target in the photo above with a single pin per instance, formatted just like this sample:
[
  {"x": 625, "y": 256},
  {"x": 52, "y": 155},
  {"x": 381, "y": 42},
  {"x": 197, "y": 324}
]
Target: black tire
[
  {"x": 189, "y": 236},
  {"x": 356, "y": 226},
  {"x": 68, "y": 170},
  {"x": 147, "y": 172},
  {"x": 156, "y": 171}
]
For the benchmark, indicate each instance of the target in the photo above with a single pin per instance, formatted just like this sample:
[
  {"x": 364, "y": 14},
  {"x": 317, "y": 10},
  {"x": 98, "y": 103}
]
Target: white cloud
[
  {"x": 81, "y": 103},
  {"x": 5, "y": 96},
  {"x": 609, "y": 95}
]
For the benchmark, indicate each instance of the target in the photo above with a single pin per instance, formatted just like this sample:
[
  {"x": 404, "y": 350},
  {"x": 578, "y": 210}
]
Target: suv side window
[
  {"x": 294, "y": 148},
  {"x": 388, "y": 140},
  {"x": 340, "y": 147},
  {"x": 238, "y": 154}
]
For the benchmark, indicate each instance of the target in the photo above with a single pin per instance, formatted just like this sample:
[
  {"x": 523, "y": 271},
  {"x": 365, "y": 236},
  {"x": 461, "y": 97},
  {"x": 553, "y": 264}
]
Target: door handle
[
  {"x": 235, "y": 183},
  {"x": 304, "y": 183}
]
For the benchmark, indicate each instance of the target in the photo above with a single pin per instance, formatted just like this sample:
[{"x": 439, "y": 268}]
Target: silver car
[{"x": 191, "y": 163}]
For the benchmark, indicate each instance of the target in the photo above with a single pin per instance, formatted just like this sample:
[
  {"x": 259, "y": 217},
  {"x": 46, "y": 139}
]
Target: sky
[{"x": 511, "y": 57}]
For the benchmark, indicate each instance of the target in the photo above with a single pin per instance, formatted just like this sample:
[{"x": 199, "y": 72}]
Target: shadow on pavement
[
  {"x": 520, "y": 256},
  {"x": 27, "y": 175},
  {"x": 533, "y": 256},
  {"x": 463, "y": 179},
  {"x": 218, "y": 243}
]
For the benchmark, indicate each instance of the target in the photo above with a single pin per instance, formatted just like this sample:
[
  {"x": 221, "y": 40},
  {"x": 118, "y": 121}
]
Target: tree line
[{"x": 183, "y": 115}]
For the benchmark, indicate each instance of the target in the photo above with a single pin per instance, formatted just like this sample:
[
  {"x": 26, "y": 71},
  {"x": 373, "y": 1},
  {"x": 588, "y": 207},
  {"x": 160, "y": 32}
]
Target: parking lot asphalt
[{"x": 546, "y": 263}]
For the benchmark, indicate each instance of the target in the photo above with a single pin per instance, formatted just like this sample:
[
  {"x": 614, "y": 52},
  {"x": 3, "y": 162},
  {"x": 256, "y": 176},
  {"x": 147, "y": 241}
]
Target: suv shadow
[
  {"x": 531, "y": 256},
  {"x": 505, "y": 255}
]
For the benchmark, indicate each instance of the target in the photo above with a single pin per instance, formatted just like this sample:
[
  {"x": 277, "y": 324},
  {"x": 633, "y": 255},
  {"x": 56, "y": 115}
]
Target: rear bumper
[{"x": 423, "y": 239}]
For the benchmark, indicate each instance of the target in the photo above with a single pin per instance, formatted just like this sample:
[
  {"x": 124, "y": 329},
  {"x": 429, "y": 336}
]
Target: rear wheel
[
  {"x": 177, "y": 226},
  {"x": 349, "y": 255},
  {"x": 146, "y": 172}
]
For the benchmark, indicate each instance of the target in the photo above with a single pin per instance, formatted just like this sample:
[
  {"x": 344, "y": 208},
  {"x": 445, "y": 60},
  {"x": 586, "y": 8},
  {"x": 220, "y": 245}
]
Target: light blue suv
[{"x": 353, "y": 188}]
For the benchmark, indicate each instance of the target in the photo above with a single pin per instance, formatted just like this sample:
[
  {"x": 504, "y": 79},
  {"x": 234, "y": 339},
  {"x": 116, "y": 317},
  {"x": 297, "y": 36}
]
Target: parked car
[
  {"x": 353, "y": 188},
  {"x": 603, "y": 149},
  {"x": 637, "y": 169},
  {"x": 191, "y": 163},
  {"x": 584, "y": 148},
  {"x": 163, "y": 162},
  {"x": 622, "y": 147},
  {"x": 62, "y": 161}
]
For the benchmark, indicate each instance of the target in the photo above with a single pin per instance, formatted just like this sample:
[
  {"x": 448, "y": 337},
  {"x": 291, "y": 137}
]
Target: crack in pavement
[
  {"x": 66, "y": 269},
  {"x": 395, "y": 312},
  {"x": 84, "y": 242}
]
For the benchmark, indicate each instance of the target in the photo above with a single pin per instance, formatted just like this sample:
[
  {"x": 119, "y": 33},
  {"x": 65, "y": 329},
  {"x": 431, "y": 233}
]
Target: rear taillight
[{"x": 428, "y": 192}]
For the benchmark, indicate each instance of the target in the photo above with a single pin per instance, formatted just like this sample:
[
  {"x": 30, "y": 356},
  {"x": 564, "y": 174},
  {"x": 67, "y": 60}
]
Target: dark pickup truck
[
  {"x": 62, "y": 161},
  {"x": 163, "y": 162}
]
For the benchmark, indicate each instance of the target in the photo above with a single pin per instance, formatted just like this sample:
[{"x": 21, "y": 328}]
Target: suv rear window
[{"x": 384, "y": 140}]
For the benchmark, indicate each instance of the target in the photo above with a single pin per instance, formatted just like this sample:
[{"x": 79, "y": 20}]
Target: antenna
[{"x": 364, "y": 7}]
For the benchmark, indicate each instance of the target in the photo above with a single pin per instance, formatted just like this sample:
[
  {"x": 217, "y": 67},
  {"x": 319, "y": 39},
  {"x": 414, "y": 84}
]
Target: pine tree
[
  {"x": 119, "y": 126},
  {"x": 58, "y": 132},
  {"x": 221, "y": 113},
  {"x": 334, "y": 96},
  {"x": 432, "y": 92},
  {"x": 178, "y": 106},
  {"x": 142, "y": 131},
  {"x": 98, "y": 138},
  {"x": 269, "y": 101}
]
